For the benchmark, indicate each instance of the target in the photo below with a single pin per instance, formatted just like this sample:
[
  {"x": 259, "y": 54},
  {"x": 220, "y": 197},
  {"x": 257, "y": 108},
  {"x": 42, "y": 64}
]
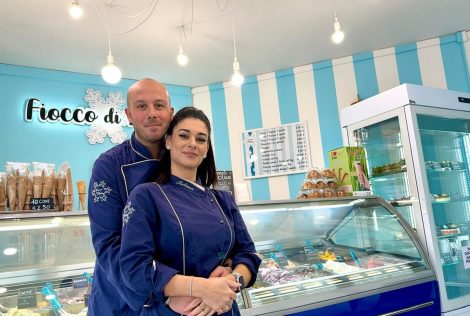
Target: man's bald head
[{"x": 146, "y": 83}]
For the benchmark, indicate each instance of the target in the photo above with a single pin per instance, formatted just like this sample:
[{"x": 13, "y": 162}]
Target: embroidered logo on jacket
[
  {"x": 100, "y": 191},
  {"x": 127, "y": 212},
  {"x": 184, "y": 184}
]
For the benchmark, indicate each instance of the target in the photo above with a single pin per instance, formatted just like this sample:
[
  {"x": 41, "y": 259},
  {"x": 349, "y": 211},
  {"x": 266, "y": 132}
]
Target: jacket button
[
  {"x": 212, "y": 200},
  {"x": 221, "y": 221}
]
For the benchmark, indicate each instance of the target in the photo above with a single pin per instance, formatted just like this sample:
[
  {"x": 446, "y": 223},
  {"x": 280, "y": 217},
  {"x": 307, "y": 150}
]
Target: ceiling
[{"x": 270, "y": 34}]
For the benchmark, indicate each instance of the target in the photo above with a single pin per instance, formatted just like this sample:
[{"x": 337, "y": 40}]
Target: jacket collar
[
  {"x": 186, "y": 185},
  {"x": 138, "y": 148}
]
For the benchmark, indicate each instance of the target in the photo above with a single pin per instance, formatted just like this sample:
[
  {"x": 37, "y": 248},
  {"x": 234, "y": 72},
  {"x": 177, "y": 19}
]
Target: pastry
[
  {"x": 328, "y": 193},
  {"x": 312, "y": 174},
  {"x": 307, "y": 185},
  {"x": 328, "y": 173},
  {"x": 320, "y": 184},
  {"x": 341, "y": 192},
  {"x": 332, "y": 184},
  {"x": 315, "y": 194}
]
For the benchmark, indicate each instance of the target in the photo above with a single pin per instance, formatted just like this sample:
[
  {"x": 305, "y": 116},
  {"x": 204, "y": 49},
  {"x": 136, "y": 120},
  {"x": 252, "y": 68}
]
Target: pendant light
[
  {"x": 182, "y": 58},
  {"x": 338, "y": 36},
  {"x": 110, "y": 73},
  {"x": 237, "y": 77},
  {"x": 75, "y": 10}
]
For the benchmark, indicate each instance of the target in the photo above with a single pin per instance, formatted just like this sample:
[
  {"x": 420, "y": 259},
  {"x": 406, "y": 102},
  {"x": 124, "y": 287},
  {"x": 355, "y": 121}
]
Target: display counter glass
[
  {"x": 315, "y": 254},
  {"x": 315, "y": 251}
]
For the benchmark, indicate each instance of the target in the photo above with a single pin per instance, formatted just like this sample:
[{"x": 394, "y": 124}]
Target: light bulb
[
  {"x": 75, "y": 10},
  {"x": 338, "y": 35},
  {"x": 110, "y": 73},
  {"x": 182, "y": 58},
  {"x": 237, "y": 77},
  {"x": 10, "y": 251}
]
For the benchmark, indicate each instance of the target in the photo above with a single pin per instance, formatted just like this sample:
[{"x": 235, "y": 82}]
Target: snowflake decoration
[
  {"x": 100, "y": 191},
  {"x": 106, "y": 110},
  {"x": 127, "y": 212}
]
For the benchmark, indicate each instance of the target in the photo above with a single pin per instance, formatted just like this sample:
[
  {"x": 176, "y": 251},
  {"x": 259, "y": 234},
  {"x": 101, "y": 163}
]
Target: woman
[{"x": 177, "y": 230}]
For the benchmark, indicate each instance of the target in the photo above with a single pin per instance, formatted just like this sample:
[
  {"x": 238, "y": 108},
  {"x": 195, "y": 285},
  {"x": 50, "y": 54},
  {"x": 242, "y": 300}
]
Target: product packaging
[
  {"x": 17, "y": 184},
  {"x": 3, "y": 192},
  {"x": 65, "y": 187},
  {"x": 350, "y": 169}
]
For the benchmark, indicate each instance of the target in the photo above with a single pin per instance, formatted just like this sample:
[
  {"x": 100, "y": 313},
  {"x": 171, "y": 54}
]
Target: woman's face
[{"x": 188, "y": 144}]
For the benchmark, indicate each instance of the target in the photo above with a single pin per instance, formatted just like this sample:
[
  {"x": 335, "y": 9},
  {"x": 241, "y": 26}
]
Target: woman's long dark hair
[{"x": 206, "y": 172}]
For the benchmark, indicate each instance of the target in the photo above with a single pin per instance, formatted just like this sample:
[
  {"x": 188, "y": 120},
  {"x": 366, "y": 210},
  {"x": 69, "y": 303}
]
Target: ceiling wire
[
  {"x": 131, "y": 29},
  {"x": 183, "y": 26},
  {"x": 234, "y": 44},
  {"x": 225, "y": 7},
  {"x": 134, "y": 15}
]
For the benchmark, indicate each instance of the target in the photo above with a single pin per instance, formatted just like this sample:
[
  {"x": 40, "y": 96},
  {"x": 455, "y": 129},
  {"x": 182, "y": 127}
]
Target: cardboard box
[{"x": 350, "y": 167}]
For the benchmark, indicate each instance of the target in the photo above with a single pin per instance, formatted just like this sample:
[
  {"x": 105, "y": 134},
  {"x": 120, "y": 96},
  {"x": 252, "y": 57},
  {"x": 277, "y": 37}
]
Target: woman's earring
[{"x": 167, "y": 147}]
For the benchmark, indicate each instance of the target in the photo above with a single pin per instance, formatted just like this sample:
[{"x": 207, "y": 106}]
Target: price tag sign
[
  {"x": 466, "y": 256},
  {"x": 38, "y": 204},
  {"x": 225, "y": 181},
  {"x": 80, "y": 283},
  {"x": 27, "y": 298},
  {"x": 447, "y": 258}
]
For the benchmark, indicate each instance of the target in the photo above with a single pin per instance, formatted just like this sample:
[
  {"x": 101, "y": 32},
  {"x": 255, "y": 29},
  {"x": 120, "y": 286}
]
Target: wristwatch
[{"x": 238, "y": 279}]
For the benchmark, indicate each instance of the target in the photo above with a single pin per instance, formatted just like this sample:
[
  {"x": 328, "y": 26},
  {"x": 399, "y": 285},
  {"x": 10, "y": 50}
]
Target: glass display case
[
  {"x": 42, "y": 251},
  {"x": 418, "y": 148},
  {"x": 338, "y": 256},
  {"x": 320, "y": 255}
]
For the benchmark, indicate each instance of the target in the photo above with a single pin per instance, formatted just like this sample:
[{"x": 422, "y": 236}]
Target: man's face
[{"x": 149, "y": 111}]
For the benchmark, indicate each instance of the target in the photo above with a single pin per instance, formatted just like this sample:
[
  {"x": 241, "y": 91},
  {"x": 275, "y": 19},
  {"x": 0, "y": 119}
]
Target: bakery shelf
[
  {"x": 384, "y": 174},
  {"x": 452, "y": 200},
  {"x": 445, "y": 170},
  {"x": 451, "y": 236}
]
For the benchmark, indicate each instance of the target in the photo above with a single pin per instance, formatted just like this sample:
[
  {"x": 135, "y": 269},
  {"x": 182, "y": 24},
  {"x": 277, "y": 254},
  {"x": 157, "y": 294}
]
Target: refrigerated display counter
[
  {"x": 342, "y": 256},
  {"x": 417, "y": 142}
]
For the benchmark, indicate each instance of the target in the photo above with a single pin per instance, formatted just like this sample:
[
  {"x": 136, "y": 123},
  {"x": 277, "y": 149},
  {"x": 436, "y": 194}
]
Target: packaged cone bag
[
  {"x": 68, "y": 198},
  {"x": 81, "y": 194},
  {"x": 60, "y": 192},
  {"x": 54, "y": 193},
  {"x": 38, "y": 177},
  {"x": 20, "y": 174},
  {"x": 11, "y": 186},
  {"x": 22, "y": 190},
  {"x": 3, "y": 192},
  {"x": 47, "y": 185},
  {"x": 29, "y": 193},
  {"x": 65, "y": 180}
]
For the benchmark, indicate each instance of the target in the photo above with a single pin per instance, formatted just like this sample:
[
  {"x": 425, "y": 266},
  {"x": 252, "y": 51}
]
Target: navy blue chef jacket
[
  {"x": 115, "y": 173},
  {"x": 191, "y": 238}
]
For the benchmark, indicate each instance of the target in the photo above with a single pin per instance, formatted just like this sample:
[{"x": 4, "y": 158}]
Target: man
[{"x": 115, "y": 173}]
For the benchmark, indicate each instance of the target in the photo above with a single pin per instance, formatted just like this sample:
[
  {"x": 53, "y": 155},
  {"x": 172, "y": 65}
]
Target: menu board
[{"x": 275, "y": 151}]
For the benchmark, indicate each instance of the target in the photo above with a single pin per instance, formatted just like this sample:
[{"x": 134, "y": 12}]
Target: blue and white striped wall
[{"x": 316, "y": 93}]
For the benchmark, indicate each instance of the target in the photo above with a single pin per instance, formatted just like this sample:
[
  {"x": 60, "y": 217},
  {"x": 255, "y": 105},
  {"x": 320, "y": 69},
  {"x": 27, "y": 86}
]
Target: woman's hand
[{"x": 218, "y": 293}]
